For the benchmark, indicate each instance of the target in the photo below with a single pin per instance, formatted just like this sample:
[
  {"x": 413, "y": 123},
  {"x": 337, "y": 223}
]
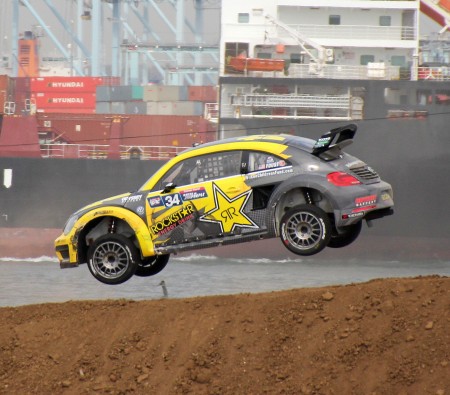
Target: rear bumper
[{"x": 369, "y": 202}]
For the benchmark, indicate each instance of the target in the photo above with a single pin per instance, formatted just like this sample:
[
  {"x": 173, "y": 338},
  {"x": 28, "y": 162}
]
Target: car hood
[{"x": 118, "y": 200}]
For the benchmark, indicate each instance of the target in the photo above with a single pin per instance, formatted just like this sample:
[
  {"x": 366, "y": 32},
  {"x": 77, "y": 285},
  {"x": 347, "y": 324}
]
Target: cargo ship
[{"x": 300, "y": 67}]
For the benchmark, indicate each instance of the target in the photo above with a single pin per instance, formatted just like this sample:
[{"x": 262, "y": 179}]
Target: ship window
[
  {"x": 264, "y": 55},
  {"x": 423, "y": 97},
  {"x": 385, "y": 20},
  {"x": 296, "y": 58},
  {"x": 364, "y": 60},
  {"x": 243, "y": 17},
  {"x": 334, "y": 20},
  {"x": 398, "y": 61}
]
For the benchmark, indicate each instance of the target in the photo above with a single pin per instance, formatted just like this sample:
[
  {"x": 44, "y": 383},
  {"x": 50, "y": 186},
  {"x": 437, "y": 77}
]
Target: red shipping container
[
  {"x": 65, "y": 84},
  {"x": 65, "y": 110},
  {"x": 76, "y": 127},
  {"x": 205, "y": 94},
  {"x": 6, "y": 91},
  {"x": 64, "y": 101}
]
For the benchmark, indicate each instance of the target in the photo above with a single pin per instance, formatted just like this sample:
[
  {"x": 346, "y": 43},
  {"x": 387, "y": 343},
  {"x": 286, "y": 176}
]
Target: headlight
[{"x": 70, "y": 223}]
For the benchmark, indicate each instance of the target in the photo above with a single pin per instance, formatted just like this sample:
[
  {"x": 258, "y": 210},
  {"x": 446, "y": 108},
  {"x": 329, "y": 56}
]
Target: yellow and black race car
[{"x": 309, "y": 193}]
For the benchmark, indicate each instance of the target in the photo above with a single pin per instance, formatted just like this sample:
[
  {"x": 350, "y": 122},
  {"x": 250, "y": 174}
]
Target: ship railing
[
  {"x": 76, "y": 151},
  {"x": 376, "y": 71},
  {"x": 352, "y": 32},
  {"x": 441, "y": 73},
  {"x": 102, "y": 151},
  {"x": 162, "y": 152},
  {"x": 211, "y": 112}
]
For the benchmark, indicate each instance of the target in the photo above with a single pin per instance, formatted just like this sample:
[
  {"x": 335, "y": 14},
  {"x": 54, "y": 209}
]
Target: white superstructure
[{"x": 361, "y": 39}]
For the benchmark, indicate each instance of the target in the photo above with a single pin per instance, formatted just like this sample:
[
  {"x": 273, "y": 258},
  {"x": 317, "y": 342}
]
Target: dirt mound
[{"x": 381, "y": 337}]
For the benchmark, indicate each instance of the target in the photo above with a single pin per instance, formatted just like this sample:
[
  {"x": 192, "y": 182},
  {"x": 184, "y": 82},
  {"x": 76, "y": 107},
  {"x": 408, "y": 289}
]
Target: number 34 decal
[{"x": 172, "y": 200}]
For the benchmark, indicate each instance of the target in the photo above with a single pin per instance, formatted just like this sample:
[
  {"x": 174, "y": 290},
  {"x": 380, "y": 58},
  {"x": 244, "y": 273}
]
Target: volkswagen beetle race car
[{"x": 309, "y": 193}]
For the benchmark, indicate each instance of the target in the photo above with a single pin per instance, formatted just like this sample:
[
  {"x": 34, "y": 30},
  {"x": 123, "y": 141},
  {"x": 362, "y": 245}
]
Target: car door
[{"x": 199, "y": 200}]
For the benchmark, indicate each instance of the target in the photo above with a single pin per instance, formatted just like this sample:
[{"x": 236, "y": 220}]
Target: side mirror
[{"x": 169, "y": 186}]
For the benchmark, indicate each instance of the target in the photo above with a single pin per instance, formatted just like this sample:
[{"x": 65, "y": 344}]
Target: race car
[{"x": 310, "y": 194}]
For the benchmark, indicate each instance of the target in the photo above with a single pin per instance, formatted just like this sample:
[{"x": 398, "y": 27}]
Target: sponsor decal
[
  {"x": 173, "y": 220},
  {"x": 192, "y": 194},
  {"x": 352, "y": 215},
  {"x": 269, "y": 173},
  {"x": 365, "y": 200},
  {"x": 155, "y": 201},
  {"x": 171, "y": 200},
  {"x": 228, "y": 212},
  {"x": 271, "y": 164},
  {"x": 131, "y": 199},
  {"x": 177, "y": 199},
  {"x": 322, "y": 142},
  {"x": 385, "y": 196},
  {"x": 103, "y": 212},
  {"x": 140, "y": 210}
]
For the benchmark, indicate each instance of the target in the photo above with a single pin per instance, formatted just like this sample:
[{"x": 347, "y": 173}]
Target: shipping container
[
  {"x": 65, "y": 110},
  {"x": 63, "y": 100},
  {"x": 103, "y": 107},
  {"x": 165, "y": 93},
  {"x": 175, "y": 108},
  {"x": 76, "y": 128},
  {"x": 134, "y": 130},
  {"x": 65, "y": 84},
  {"x": 136, "y": 107},
  {"x": 115, "y": 93},
  {"x": 205, "y": 94},
  {"x": 6, "y": 92}
]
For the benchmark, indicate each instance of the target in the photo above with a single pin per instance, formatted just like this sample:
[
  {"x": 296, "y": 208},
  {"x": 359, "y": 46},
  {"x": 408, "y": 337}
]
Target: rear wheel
[
  {"x": 350, "y": 234},
  {"x": 112, "y": 259},
  {"x": 152, "y": 265},
  {"x": 305, "y": 229}
]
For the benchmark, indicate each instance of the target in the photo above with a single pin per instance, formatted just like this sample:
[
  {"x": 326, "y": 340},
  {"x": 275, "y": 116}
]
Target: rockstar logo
[{"x": 228, "y": 213}]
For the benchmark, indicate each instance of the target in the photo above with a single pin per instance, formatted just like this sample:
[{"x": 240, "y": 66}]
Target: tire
[
  {"x": 113, "y": 259},
  {"x": 305, "y": 229},
  {"x": 339, "y": 240},
  {"x": 152, "y": 265}
]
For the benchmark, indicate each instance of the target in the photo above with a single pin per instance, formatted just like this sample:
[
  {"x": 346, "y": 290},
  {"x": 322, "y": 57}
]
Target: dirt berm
[{"x": 381, "y": 337}]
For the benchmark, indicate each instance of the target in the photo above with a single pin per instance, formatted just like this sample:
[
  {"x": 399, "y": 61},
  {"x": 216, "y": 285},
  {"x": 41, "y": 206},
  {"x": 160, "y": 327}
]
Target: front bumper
[{"x": 65, "y": 252}]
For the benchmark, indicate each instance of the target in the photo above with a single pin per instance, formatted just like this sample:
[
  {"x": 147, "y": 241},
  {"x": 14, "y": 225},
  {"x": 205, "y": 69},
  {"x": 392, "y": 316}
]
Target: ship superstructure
[{"x": 324, "y": 60}]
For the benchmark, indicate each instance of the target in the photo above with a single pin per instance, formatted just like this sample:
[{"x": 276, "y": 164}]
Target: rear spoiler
[{"x": 343, "y": 136}]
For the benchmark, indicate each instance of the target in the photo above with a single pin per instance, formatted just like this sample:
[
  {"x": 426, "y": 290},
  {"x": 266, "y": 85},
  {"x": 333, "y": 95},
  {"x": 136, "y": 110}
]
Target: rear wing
[{"x": 338, "y": 137}]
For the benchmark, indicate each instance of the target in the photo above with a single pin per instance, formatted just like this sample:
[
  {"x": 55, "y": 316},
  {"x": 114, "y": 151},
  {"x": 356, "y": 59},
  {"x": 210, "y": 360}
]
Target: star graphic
[{"x": 228, "y": 213}]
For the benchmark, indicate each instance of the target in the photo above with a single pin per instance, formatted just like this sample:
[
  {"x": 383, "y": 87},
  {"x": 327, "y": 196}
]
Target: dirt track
[{"x": 382, "y": 337}]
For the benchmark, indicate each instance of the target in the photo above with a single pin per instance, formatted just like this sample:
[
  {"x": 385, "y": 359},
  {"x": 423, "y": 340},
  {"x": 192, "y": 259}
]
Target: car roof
[{"x": 302, "y": 143}]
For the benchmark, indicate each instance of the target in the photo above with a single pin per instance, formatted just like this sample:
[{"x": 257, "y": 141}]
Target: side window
[
  {"x": 202, "y": 168},
  {"x": 262, "y": 161},
  {"x": 218, "y": 165},
  {"x": 181, "y": 174}
]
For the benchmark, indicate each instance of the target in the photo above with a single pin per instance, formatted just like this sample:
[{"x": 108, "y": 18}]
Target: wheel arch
[
  {"x": 295, "y": 191},
  {"x": 112, "y": 220}
]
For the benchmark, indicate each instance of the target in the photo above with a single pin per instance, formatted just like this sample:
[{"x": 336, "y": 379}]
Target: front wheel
[
  {"x": 305, "y": 229},
  {"x": 151, "y": 265},
  {"x": 112, "y": 259}
]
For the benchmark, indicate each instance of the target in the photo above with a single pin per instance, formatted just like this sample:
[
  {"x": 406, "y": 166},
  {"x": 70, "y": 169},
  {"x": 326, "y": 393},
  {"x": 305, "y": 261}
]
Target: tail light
[{"x": 341, "y": 179}]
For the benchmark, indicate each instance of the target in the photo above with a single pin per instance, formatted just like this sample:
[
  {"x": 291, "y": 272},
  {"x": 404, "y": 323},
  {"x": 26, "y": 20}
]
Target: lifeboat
[{"x": 256, "y": 64}]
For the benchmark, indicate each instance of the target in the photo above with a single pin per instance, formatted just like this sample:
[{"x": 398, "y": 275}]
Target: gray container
[
  {"x": 165, "y": 93},
  {"x": 103, "y": 107},
  {"x": 136, "y": 107}
]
